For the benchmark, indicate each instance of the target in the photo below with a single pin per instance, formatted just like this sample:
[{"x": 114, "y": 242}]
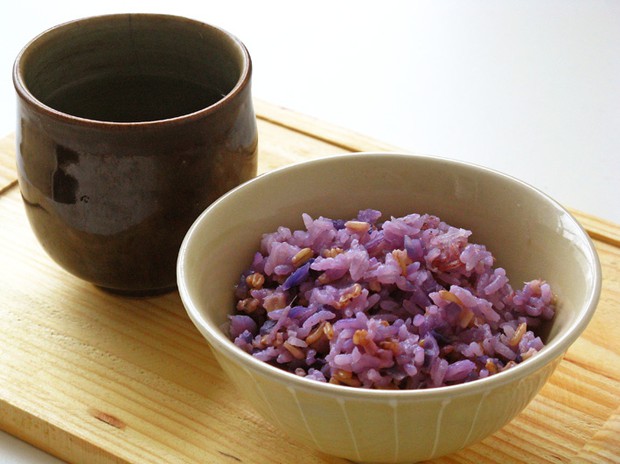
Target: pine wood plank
[
  {"x": 8, "y": 176},
  {"x": 605, "y": 231},
  {"x": 92, "y": 377},
  {"x": 343, "y": 139}
]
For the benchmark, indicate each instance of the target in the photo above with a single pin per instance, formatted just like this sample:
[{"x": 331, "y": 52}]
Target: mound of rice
[{"x": 407, "y": 303}]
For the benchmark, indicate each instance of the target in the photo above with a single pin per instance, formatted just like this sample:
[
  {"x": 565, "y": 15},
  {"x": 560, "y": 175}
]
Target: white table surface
[{"x": 527, "y": 87}]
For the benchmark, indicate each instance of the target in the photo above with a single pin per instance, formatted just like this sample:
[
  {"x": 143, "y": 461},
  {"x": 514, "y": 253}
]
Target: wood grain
[
  {"x": 93, "y": 377},
  {"x": 8, "y": 177}
]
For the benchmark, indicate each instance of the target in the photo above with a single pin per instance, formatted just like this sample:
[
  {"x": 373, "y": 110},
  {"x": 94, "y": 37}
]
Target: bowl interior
[{"x": 530, "y": 235}]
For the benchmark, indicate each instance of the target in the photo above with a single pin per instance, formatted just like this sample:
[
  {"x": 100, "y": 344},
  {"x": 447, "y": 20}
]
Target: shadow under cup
[{"x": 129, "y": 126}]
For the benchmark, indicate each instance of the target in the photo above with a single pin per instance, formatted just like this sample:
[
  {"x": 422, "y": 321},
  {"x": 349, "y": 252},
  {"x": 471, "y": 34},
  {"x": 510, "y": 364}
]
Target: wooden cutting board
[{"x": 92, "y": 377}]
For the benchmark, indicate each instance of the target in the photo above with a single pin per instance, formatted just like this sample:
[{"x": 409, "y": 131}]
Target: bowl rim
[{"x": 555, "y": 350}]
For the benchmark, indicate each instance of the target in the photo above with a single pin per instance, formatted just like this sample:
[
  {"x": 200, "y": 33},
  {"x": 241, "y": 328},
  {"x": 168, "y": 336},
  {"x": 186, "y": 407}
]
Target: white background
[{"x": 528, "y": 87}]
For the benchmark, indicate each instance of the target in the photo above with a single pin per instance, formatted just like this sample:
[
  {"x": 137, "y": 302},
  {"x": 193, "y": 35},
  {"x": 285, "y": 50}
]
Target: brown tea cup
[{"x": 129, "y": 126}]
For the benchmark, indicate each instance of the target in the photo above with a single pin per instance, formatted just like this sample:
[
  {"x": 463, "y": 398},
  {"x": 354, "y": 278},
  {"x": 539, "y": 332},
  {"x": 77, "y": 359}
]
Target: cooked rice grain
[{"x": 406, "y": 303}]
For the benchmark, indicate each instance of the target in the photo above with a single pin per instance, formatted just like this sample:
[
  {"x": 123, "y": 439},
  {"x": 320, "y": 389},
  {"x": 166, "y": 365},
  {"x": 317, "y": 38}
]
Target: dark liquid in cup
[{"x": 133, "y": 98}]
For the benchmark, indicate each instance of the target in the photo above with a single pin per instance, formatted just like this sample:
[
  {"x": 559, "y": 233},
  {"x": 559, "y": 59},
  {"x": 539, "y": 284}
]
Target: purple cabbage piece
[{"x": 298, "y": 276}]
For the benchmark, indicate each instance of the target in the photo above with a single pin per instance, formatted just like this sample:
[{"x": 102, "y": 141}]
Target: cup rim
[
  {"x": 551, "y": 352},
  {"x": 23, "y": 92}
]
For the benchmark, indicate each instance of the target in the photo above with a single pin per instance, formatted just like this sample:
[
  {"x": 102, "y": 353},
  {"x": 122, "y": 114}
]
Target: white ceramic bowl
[{"x": 531, "y": 235}]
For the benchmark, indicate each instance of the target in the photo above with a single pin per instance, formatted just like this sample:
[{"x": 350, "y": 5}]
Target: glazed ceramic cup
[{"x": 129, "y": 126}]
